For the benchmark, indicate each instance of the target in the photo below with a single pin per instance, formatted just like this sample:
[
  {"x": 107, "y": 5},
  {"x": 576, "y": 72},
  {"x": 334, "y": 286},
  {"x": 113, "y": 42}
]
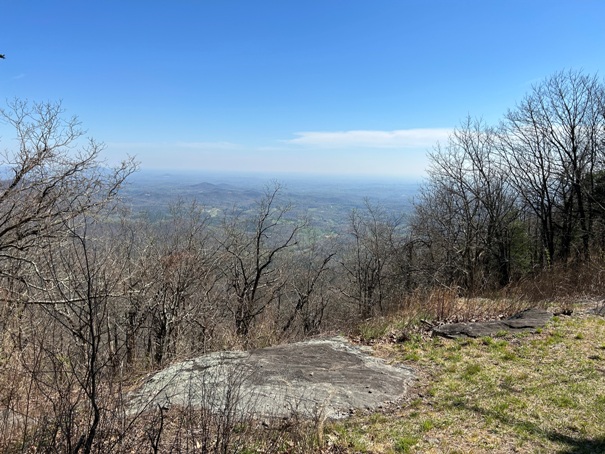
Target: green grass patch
[
  {"x": 405, "y": 444},
  {"x": 540, "y": 392},
  {"x": 471, "y": 370}
]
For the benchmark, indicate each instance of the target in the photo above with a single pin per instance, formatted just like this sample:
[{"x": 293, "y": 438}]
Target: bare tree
[
  {"x": 49, "y": 177},
  {"x": 51, "y": 183},
  {"x": 308, "y": 293},
  {"x": 467, "y": 209},
  {"x": 74, "y": 296},
  {"x": 251, "y": 248},
  {"x": 553, "y": 143},
  {"x": 532, "y": 182},
  {"x": 179, "y": 272},
  {"x": 369, "y": 263}
]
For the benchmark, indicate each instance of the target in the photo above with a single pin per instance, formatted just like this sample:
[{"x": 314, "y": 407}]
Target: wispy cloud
[{"x": 400, "y": 138}]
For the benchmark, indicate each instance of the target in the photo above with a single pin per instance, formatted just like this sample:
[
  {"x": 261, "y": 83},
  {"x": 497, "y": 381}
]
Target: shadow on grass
[
  {"x": 579, "y": 445},
  {"x": 575, "y": 445}
]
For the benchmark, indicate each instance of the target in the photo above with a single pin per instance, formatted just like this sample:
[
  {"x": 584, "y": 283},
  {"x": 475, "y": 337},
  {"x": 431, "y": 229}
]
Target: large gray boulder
[{"x": 327, "y": 378}]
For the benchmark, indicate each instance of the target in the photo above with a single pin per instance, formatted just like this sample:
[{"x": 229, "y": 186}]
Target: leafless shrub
[{"x": 583, "y": 281}]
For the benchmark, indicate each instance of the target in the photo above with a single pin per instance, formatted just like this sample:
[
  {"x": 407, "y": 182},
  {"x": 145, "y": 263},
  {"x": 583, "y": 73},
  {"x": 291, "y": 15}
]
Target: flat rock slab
[
  {"x": 318, "y": 378},
  {"x": 530, "y": 319}
]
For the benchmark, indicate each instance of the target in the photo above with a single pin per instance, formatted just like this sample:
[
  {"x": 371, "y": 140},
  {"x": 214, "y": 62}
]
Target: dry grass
[
  {"x": 562, "y": 283},
  {"x": 422, "y": 309},
  {"x": 542, "y": 392}
]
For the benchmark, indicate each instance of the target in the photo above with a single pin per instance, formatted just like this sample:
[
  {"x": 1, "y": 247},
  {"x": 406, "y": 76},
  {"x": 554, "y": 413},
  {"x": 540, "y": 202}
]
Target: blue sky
[{"x": 352, "y": 87}]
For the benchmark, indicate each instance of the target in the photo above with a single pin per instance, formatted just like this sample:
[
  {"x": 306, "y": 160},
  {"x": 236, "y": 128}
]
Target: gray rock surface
[
  {"x": 319, "y": 378},
  {"x": 526, "y": 320}
]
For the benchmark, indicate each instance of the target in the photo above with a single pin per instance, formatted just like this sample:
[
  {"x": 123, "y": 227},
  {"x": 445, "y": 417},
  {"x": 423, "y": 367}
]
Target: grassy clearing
[{"x": 542, "y": 392}]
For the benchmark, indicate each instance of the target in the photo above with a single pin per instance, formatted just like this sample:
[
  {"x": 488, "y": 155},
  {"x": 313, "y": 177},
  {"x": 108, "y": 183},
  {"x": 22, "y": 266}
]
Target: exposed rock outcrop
[
  {"x": 325, "y": 377},
  {"x": 530, "y": 319}
]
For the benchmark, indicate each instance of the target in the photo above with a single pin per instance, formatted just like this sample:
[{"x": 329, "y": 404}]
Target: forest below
[{"x": 95, "y": 295}]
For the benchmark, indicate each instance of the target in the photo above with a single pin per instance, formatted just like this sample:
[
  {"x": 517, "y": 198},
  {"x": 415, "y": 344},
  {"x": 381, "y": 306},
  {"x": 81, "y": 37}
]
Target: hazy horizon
[{"x": 268, "y": 176}]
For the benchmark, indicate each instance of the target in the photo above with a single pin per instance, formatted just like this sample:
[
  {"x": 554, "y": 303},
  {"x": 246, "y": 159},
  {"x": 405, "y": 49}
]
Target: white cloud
[{"x": 401, "y": 138}]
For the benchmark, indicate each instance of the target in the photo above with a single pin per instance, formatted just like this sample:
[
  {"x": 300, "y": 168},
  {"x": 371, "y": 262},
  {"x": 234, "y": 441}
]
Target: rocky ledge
[
  {"x": 528, "y": 320},
  {"x": 326, "y": 378}
]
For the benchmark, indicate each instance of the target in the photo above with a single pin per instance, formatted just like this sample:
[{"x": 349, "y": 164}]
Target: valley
[{"x": 325, "y": 201}]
